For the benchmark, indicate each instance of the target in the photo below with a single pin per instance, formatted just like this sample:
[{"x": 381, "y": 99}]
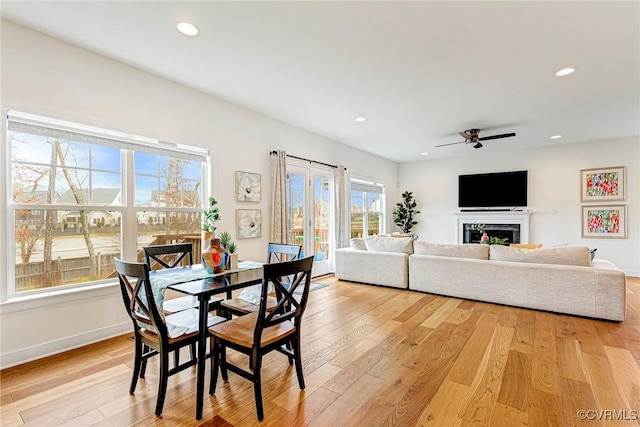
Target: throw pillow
[
  {"x": 467, "y": 250},
  {"x": 568, "y": 255},
  {"x": 389, "y": 244},
  {"x": 358, "y": 244}
]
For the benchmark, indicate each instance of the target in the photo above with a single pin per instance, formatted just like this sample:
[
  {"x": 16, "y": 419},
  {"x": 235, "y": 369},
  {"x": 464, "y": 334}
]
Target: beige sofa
[{"x": 559, "y": 279}]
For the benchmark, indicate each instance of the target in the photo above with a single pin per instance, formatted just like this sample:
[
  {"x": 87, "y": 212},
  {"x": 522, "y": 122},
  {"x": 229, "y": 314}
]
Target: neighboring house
[{"x": 99, "y": 196}]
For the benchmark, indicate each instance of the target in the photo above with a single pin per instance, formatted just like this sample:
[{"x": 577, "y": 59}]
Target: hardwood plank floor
[{"x": 372, "y": 356}]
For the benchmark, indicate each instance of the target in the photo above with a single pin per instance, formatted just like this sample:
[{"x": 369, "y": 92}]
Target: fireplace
[
  {"x": 513, "y": 225},
  {"x": 511, "y": 232}
]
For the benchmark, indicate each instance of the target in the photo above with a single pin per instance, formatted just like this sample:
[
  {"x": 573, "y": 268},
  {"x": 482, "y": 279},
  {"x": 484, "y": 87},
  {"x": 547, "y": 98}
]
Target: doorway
[{"x": 310, "y": 202}]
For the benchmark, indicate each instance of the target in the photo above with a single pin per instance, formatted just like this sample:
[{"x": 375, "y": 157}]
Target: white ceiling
[{"x": 418, "y": 71}]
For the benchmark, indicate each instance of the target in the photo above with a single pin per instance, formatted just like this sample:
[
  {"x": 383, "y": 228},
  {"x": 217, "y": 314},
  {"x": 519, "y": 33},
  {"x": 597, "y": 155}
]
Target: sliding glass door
[{"x": 310, "y": 205}]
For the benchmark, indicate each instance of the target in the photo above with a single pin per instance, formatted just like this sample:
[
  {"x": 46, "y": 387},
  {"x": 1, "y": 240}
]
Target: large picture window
[
  {"x": 81, "y": 195},
  {"x": 367, "y": 204}
]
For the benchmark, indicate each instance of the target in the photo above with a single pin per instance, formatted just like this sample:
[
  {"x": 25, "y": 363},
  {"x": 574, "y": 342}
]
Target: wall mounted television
[{"x": 493, "y": 190}]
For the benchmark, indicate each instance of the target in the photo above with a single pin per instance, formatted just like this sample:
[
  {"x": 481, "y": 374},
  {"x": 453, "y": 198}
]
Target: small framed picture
[
  {"x": 604, "y": 221},
  {"x": 603, "y": 184},
  {"x": 248, "y": 186},
  {"x": 249, "y": 223}
]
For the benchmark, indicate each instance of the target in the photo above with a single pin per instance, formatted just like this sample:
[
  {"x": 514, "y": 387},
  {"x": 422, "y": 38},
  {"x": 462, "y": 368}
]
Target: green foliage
[
  {"x": 227, "y": 242},
  {"x": 210, "y": 216},
  {"x": 497, "y": 241},
  {"x": 404, "y": 212}
]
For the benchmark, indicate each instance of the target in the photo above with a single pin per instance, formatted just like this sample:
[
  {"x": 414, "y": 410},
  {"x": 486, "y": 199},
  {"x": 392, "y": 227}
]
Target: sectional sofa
[{"x": 558, "y": 279}]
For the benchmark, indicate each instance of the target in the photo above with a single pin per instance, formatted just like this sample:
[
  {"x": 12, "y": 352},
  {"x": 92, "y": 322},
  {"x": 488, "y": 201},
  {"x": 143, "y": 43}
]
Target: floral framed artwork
[
  {"x": 249, "y": 223},
  {"x": 604, "y": 221},
  {"x": 248, "y": 186},
  {"x": 603, "y": 184}
]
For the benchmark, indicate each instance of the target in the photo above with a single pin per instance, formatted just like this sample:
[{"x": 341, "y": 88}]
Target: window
[
  {"x": 81, "y": 195},
  {"x": 367, "y": 208}
]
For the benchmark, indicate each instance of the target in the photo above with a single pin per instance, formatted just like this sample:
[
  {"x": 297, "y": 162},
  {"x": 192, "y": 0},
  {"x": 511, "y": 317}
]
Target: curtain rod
[{"x": 307, "y": 160}]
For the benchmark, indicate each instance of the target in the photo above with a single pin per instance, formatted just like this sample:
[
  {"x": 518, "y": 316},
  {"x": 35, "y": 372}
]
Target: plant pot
[{"x": 233, "y": 261}]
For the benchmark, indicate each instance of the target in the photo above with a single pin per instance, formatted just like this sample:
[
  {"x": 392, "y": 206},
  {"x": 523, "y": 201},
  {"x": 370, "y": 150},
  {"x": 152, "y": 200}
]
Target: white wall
[
  {"x": 45, "y": 76},
  {"x": 554, "y": 193}
]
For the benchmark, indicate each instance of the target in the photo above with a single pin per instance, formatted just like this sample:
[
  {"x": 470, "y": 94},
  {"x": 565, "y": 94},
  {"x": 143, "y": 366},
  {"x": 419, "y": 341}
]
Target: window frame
[
  {"x": 128, "y": 236},
  {"x": 367, "y": 186}
]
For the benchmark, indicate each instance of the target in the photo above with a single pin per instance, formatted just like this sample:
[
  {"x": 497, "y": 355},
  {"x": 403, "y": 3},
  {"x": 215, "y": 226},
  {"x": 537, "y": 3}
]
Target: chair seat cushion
[
  {"x": 185, "y": 322},
  {"x": 183, "y": 303},
  {"x": 240, "y": 331},
  {"x": 243, "y": 306}
]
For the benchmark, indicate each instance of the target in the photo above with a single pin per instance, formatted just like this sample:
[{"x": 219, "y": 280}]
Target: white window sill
[{"x": 63, "y": 296}]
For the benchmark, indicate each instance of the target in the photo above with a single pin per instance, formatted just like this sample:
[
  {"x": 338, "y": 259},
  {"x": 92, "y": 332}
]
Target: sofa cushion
[
  {"x": 467, "y": 250},
  {"x": 389, "y": 244},
  {"x": 568, "y": 255},
  {"x": 358, "y": 244}
]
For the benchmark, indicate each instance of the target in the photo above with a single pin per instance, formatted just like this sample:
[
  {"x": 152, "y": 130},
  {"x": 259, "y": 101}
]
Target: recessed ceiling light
[
  {"x": 424, "y": 154},
  {"x": 187, "y": 28},
  {"x": 556, "y": 137},
  {"x": 360, "y": 119},
  {"x": 565, "y": 71}
]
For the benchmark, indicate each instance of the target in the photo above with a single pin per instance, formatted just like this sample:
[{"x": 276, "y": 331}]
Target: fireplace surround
[{"x": 513, "y": 225}]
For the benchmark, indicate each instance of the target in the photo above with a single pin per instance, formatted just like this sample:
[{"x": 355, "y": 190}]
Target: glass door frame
[{"x": 322, "y": 250}]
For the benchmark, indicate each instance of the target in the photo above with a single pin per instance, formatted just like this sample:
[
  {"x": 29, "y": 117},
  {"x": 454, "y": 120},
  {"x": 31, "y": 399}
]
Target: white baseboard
[{"x": 69, "y": 343}]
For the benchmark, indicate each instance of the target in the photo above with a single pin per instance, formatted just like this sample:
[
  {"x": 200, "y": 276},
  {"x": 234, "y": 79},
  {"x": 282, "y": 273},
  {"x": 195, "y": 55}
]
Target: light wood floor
[{"x": 372, "y": 357}]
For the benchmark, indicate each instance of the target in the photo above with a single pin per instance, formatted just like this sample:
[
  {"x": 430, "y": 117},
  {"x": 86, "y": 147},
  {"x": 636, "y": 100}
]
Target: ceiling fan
[{"x": 471, "y": 137}]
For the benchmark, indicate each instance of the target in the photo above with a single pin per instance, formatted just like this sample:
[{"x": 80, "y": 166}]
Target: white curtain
[
  {"x": 341, "y": 228},
  {"x": 279, "y": 211}
]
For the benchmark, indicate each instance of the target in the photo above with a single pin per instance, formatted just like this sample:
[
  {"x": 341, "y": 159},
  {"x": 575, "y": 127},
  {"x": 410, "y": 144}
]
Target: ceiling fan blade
[
  {"x": 451, "y": 143},
  {"x": 478, "y": 145},
  {"x": 504, "y": 135},
  {"x": 465, "y": 135}
]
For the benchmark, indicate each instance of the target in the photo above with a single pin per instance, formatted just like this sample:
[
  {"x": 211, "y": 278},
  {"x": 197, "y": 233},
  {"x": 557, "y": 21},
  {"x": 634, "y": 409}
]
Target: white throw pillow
[
  {"x": 358, "y": 244},
  {"x": 467, "y": 250},
  {"x": 567, "y": 255},
  {"x": 389, "y": 244}
]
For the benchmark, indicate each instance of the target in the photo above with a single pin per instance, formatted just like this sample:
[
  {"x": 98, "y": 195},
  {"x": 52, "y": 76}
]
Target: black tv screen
[{"x": 493, "y": 190}]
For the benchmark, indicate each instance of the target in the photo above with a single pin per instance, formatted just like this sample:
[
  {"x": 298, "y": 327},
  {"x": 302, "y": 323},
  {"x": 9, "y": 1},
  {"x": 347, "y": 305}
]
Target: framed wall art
[
  {"x": 603, "y": 184},
  {"x": 248, "y": 186},
  {"x": 249, "y": 223},
  {"x": 604, "y": 221}
]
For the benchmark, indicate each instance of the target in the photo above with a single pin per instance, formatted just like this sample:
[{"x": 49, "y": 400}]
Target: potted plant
[
  {"x": 209, "y": 218},
  {"x": 230, "y": 247},
  {"x": 404, "y": 212}
]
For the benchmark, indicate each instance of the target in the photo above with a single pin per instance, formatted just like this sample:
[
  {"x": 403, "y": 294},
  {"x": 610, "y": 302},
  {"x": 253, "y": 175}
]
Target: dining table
[{"x": 196, "y": 281}]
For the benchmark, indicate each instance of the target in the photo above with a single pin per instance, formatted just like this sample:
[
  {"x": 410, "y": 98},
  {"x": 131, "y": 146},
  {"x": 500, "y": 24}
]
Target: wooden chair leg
[
  {"x": 162, "y": 386},
  {"x": 257, "y": 387},
  {"x": 296, "y": 346},
  {"x": 289, "y": 347},
  {"x": 215, "y": 362},
  {"x": 143, "y": 366},
  {"x": 192, "y": 349},
  {"x": 176, "y": 357},
  {"x": 137, "y": 364},
  {"x": 223, "y": 362}
]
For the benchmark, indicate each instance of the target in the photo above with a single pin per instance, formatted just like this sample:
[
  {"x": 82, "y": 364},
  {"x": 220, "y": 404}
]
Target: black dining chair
[
  {"x": 276, "y": 252},
  {"x": 154, "y": 333},
  {"x": 171, "y": 256},
  {"x": 263, "y": 331}
]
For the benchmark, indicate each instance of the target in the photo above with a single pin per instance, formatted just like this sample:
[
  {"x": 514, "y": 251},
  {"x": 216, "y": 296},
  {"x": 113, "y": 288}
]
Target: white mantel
[{"x": 494, "y": 217}]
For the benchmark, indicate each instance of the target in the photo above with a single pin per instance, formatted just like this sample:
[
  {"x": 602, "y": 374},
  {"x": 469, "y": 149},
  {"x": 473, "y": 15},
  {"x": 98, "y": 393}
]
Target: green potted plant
[
  {"x": 404, "y": 212},
  {"x": 210, "y": 216},
  {"x": 230, "y": 246}
]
